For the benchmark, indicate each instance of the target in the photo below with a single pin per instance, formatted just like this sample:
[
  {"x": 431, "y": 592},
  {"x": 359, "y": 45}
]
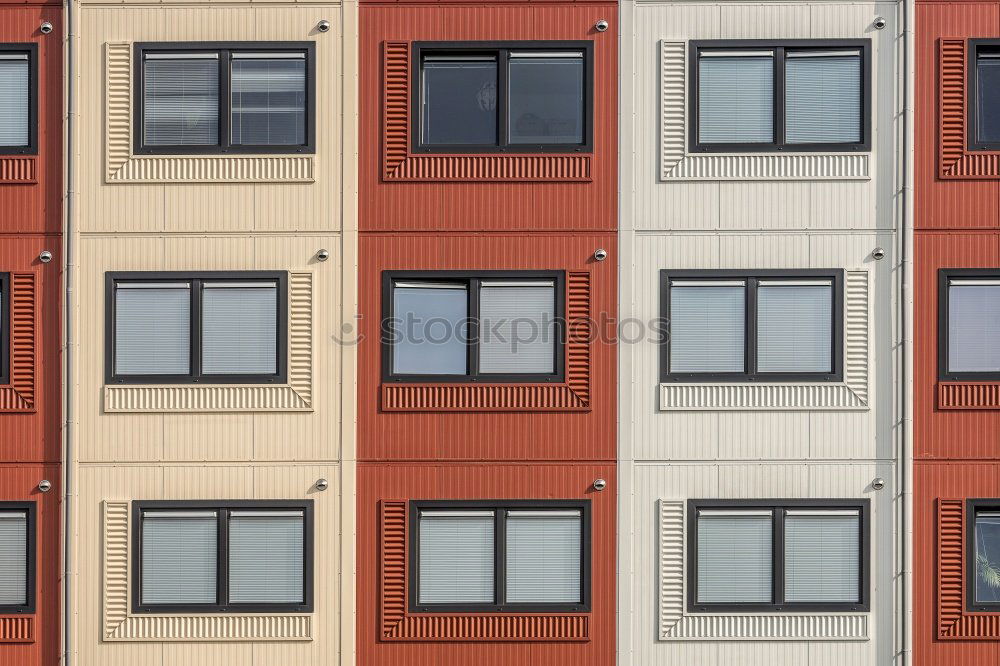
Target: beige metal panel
[
  {"x": 840, "y": 434},
  {"x": 119, "y": 205},
  {"x": 312, "y": 434}
]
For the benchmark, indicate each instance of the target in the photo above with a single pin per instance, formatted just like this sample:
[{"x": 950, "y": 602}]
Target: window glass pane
[
  {"x": 795, "y": 328},
  {"x": 13, "y": 100},
  {"x": 239, "y": 328},
  {"x": 430, "y": 325},
  {"x": 179, "y": 557},
  {"x": 460, "y": 100},
  {"x": 707, "y": 325},
  {"x": 822, "y": 98},
  {"x": 546, "y": 98},
  {"x": 455, "y": 554},
  {"x": 153, "y": 329},
  {"x": 973, "y": 327},
  {"x": 181, "y": 102},
  {"x": 13, "y": 558},
  {"x": 734, "y": 557},
  {"x": 543, "y": 556},
  {"x": 735, "y": 99},
  {"x": 266, "y": 557},
  {"x": 517, "y": 331},
  {"x": 822, "y": 557},
  {"x": 269, "y": 101},
  {"x": 987, "y": 557},
  {"x": 988, "y": 97}
]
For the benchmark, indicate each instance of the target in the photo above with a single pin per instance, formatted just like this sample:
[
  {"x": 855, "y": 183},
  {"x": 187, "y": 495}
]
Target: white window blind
[
  {"x": 269, "y": 99},
  {"x": 517, "y": 331},
  {"x": 14, "y": 99},
  {"x": 13, "y": 558},
  {"x": 974, "y": 326},
  {"x": 239, "y": 328},
  {"x": 152, "y": 328},
  {"x": 544, "y": 556},
  {"x": 266, "y": 557},
  {"x": 455, "y": 555},
  {"x": 707, "y": 326},
  {"x": 795, "y": 326},
  {"x": 823, "y": 97},
  {"x": 734, "y": 557},
  {"x": 736, "y": 97},
  {"x": 179, "y": 557},
  {"x": 430, "y": 325},
  {"x": 181, "y": 100},
  {"x": 822, "y": 556}
]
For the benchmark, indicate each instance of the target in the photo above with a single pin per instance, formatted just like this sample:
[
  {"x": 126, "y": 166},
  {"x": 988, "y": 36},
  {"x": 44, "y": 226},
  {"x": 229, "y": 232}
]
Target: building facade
[
  {"x": 214, "y": 244},
  {"x": 957, "y": 255},
  {"x": 488, "y": 189},
  {"x": 31, "y": 150},
  {"x": 759, "y": 279}
]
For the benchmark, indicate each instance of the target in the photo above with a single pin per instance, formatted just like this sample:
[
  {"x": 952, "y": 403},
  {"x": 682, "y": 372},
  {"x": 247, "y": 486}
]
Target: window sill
[
  {"x": 18, "y": 169},
  {"x": 482, "y": 398},
  {"x": 17, "y": 628},
  {"x": 968, "y": 395},
  {"x": 675, "y": 624},
  {"x": 756, "y": 396},
  {"x": 120, "y": 625}
]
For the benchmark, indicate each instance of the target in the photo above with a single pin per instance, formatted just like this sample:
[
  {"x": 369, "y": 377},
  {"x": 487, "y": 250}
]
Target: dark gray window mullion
[
  {"x": 779, "y": 96},
  {"x": 222, "y": 567},
  {"x": 196, "y": 287},
  {"x": 225, "y": 99},
  {"x": 472, "y": 331},
  {"x": 500, "y": 558},
  {"x": 503, "y": 97},
  {"x": 778, "y": 557},
  {"x": 750, "y": 336}
]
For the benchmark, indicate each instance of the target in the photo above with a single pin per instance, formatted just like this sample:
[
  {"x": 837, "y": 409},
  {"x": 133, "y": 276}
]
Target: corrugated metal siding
[
  {"x": 397, "y": 206},
  {"x": 529, "y": 435},
  {"x": 445, "y": 641}
]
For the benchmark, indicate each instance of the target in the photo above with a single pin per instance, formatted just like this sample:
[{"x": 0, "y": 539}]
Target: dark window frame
[
  {"x": 972, "y": 81},
  {"x": 752, "y": 277},
  {"x": 778, "y": 46},
  {"x": 5, "y": 328},
  {"x": 223, "y": 509},
  {"x": 472, "y": 278},
  {"x": 502, "y": 50},
  {"x": 944, "y": 277},
  {"x": 31, "y": 49},
  {"x": 225, "y": 145},
  {"x": 195, "y": 278},
  {"x": 778, "y": 507},
  {"x": 972, "y": 507},
  {"x": 31, "y": 555},
  {"x": 500, "y": 507}
]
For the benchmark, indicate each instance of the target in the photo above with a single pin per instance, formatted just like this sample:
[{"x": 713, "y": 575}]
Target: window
[
  {"x": 984, "y": 94},
  {"x": 490, "y": 326},
  {"x": 797, "y": 95},
  {"x": 752, "y": 325},
  {"x": 4, "y": 328},
  {"x": 18, "y": 98},
  {"x": 225, "y": 98},
  {"x": 788, "y": 555},
  {"x": 983, "y": 548},
  {"x": 241, "y": 556},
  {"x": 196, "y": 327},
  {"x": 485, "y": 556},
  {"x": 509, "y": 97},
  {"x": 969, "y": 327},
  {"x": 17, "y": 557}
]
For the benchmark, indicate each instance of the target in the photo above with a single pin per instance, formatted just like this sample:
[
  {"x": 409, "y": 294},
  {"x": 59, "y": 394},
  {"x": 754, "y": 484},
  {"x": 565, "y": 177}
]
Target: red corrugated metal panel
[
  {"x": 524, "y": 435},
  {"x": 388, "y": 486},
  {"x": 526, "y": 206},
  {"x": 950, "y": 204},
  {"x": 29, "y": 207},
  {"x": 41, "y": 648}
]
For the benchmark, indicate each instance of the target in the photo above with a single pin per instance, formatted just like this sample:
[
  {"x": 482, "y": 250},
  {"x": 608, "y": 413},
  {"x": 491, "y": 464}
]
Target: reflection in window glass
[
  {"x": 546, "y": 97},
  {"x": 459, "y": 100},
  {"x": 181, "y": 100},
  {"x": 987, "y": 556},
  {"x": 430, "y": 328},
  {"x": 269, "y": 100},
  {"x": 988, "y": 96}
]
